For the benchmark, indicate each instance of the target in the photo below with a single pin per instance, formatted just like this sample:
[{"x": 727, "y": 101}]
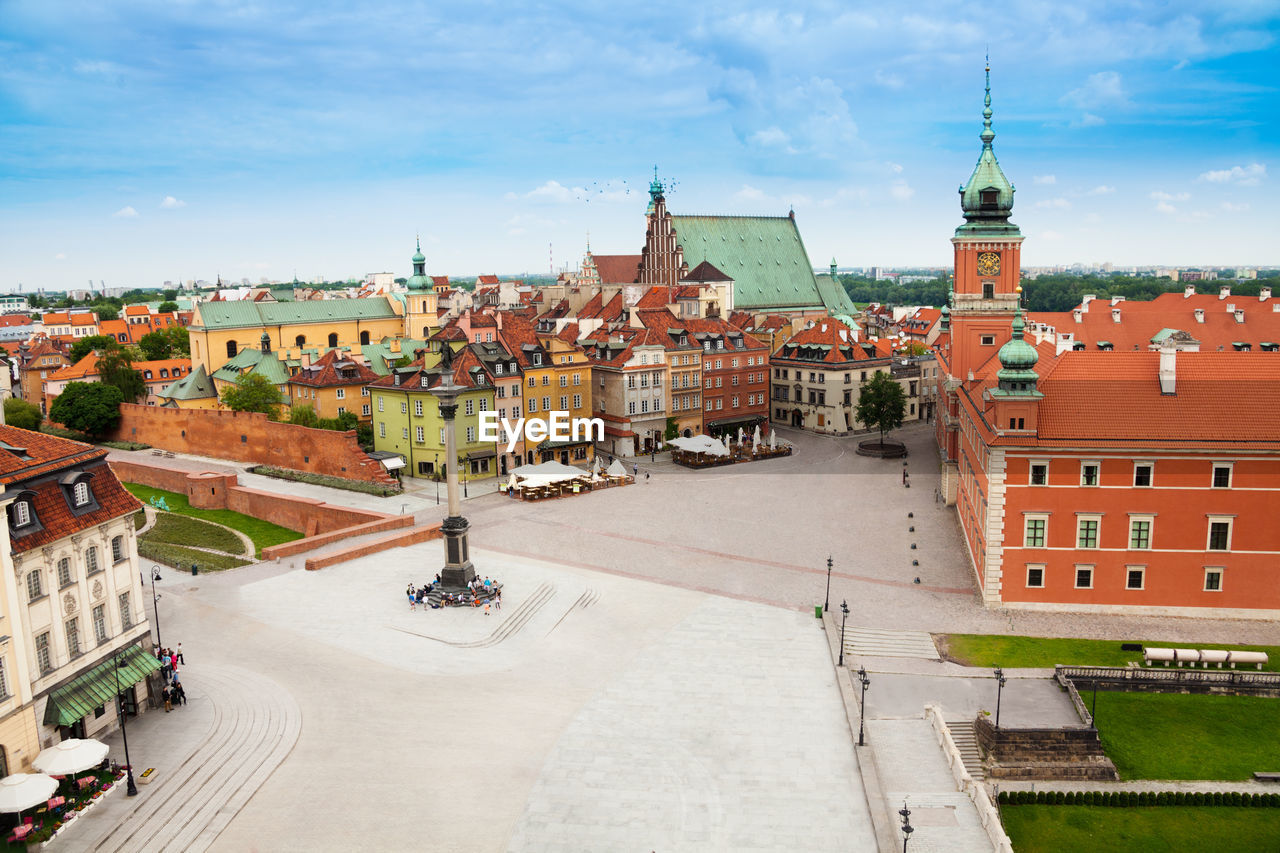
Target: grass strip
[
  {"x": 988, "y": 650},
  {"x": 263, "y": 533},
  {"x": 1222, "y": 829},
  {"x": 185, "y": 530},
  {"x": 182, "y": 558}
]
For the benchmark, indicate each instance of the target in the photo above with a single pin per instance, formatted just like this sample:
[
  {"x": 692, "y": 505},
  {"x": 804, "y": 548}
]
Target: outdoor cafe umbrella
[
  {"x": 511, "y": 484},
  {"x": 773, "y": 439},
  {"x": 755, "y": 440},
  {"x": 740, "y": 435},
  {"x": 25, "y": 790},
  {"x": 70, "y": 756}
]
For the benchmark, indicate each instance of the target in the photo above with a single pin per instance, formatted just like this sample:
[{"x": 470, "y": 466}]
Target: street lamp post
[
  {"x": 155, "y": 599},
  {"x": 437, "y": 479},
  {"x": 999, "y": 691},
  {"x": 907, "y": 828},
  {"x": 862, "y": 708},
  {"x": 131, "y": 788},
  {"x": 827, "y": 604},
  {"x": 844, "y": 608}
]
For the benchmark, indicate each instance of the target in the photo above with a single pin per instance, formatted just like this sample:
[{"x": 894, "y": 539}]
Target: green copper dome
[
  {"x": 419, "y": 280},
  {"x": 987, "y": 199},
  {"x": 1017, "y": 359}
]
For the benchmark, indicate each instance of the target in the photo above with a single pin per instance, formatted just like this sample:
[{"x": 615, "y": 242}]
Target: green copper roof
[
  {"x": 378, "y": 355},
  {"x": 254, "y": 361},
  {"x": 237, "y": 315},
  {"x": 419, "y": 280},
  {"x": 1017, "y": 361},
  {"x": 766, "y": 259},
  {"x": 196, "y": 385},
  {"x": 71, "y": 702},
  {"x": 987, "y": 199}
]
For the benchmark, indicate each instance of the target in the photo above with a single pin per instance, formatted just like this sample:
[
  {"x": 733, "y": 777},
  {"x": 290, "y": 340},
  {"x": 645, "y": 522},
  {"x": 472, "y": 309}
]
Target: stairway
[
  {"x": 967, "y": 743},
  {"x": 868, "y": 642}
]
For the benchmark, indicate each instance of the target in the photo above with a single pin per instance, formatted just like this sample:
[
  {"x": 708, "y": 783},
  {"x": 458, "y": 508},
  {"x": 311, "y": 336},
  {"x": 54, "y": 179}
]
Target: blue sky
[{"x": 143, "y": 141}]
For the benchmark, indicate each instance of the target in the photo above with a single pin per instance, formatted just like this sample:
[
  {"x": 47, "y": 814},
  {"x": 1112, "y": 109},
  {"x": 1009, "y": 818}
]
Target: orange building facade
[{"x": 1096, "y": 480}]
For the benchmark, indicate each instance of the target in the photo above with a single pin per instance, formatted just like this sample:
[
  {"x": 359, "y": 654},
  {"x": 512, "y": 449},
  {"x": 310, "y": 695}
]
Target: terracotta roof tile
[{"x": 617, "y": 269}]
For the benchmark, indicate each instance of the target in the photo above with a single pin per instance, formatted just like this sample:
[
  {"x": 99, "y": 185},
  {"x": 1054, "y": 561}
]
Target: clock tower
[{"x": 987, "y": 260}]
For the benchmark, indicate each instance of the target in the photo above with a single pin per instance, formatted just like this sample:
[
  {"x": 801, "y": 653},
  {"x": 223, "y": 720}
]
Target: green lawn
[
  {"x": 182, "y": 558},
  {"x": 1000, "y": 650},
  {"x": 263, "y": 533},
  {"x": 1181, "y": 736},
  {"x": 1221, "y": 829},
  {"x": 139, "y": 519},
  {"x": 185, "y": 530}
]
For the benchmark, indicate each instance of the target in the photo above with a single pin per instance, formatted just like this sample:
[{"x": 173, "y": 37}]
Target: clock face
[{"x": 989, "y": 263}]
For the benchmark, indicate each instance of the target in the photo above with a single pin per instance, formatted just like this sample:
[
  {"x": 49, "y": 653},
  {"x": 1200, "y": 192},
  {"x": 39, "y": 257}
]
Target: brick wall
[
  {"x": 1062, "y": 753},
  {"x": 423, "y": 533},
  {"x": 213, "y": 490},
  {"x": 250, "y": 437}
]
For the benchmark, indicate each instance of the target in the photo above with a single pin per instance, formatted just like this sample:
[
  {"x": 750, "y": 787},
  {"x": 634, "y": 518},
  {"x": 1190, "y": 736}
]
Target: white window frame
[
  {"x": 1031, "y": 472},
  {"x": 470, "y": 406},
  {"x": 1213, "y": 475},
  {"x": 1081, "y": 518},
  {"x": 21, "y": 513},
  {"x": 1031, "y": 567},
  {"x": 80, "y": 493},
  {"x": 417, "y": 408},
  {"x": 1220, "y": 571},
  {"x": 341, "y": 393},
  {"x": 1150, "y": 520},
  {"x": 1228, "y": 520},
  {"x": 1142, "y": 571},
  {"x": 1029, "y": 517},
  {"x": 1084, "y": 567},
  {"x": 382, "y": 429},
  {"x": 421, "y": 433},
  {"x": 1085, "y": 463},
  {"x": 1151, "y": 476}
]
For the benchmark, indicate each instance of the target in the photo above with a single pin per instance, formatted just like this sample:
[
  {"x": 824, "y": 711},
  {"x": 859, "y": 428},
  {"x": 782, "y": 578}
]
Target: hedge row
[
  {"x": 182, "y": 558},
  {"x": 1138, "y": 798},
  {"x": 325, "y": 480}
]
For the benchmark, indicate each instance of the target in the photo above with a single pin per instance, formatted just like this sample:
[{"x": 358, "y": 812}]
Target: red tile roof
[
  {"x": 487, "y": 279},
  {"x": 14, "y": 320},
  {"x": 334, "y": 368},
  {"x": 832, "y": 342},
  {"x": 617, "y": 269}
]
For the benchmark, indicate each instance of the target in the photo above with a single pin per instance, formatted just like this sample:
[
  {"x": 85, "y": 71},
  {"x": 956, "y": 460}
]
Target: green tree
[
  {"x": 156, "y": 345},
  {"x": 253, "y": 392},
  {"x": 21, "y": 414},
  {"x": 84, "y": 346},
  {"x": 167, "y": 305},
  {"x": 180, "y": 339},
  {"x": 882, "y": 404},
  {"x": 115, "y": 367},
  {"x": 89, "y": 407},
  {"x": 673, "y": 430},
  {"x": 169, "y": 295},
  {"x": 106, "y": 311},
  {"x": 342, "y": 423},
  {"x": 304, "y": 416}
]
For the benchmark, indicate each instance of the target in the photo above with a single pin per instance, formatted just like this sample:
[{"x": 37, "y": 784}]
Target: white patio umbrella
[
  {"x": 740, "y": 435},
  {"x": 755, "y": 440},
  {"x": 773, "y": 440},
  {"x": 511, "y": 484},
  {"x": 25, "y": 790},
  {"x": 70, "y": 756},
  {"x": 595, "y": 467}
]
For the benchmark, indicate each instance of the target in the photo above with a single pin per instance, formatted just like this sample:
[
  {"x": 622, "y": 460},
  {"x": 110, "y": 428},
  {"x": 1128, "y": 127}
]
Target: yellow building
[
  {"x": 193, "y": 391},
  {"x": 556, "y": 378},
  {"x": 334, "y": 385}
]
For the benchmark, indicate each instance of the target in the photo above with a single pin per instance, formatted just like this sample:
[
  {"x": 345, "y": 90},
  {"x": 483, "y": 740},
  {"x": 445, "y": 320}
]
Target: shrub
[
  {"x": 1130, "y": 799},
  {"x": 1059, "y": 799},
  {"x": 326, "y": 480},
  {"x": 1162, "y": 799},
  {"x": 1217, "y": 798},
  {"x": 1198, "y": 798},
  {"x": 1236, "y": 799},
  {"x": 1039, "y": 798},
  {"x": 1003, "y": 799},
  {"x": 1180, "y": 798}
]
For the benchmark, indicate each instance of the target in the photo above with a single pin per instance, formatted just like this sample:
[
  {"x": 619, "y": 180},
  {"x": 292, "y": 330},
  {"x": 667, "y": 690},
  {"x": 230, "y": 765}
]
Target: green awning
[{"x": 72, "y": 701}]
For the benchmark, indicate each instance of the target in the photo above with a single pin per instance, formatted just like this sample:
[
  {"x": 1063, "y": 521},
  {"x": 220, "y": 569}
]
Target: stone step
[
  {"x": 962, "y": 735},
  {"x": 866, "y": 642}
]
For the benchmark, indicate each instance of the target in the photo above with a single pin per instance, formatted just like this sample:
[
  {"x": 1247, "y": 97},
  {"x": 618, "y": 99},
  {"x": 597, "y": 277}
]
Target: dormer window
[
  {"x": 684, "y": 340},
  {"x": 497, "y": 368},
  {"x": 537, "y": 358},
  {"x": 989, "y": 198},
  {"x": 80, "y": 493},
  {"x": 21, "y": 513}
]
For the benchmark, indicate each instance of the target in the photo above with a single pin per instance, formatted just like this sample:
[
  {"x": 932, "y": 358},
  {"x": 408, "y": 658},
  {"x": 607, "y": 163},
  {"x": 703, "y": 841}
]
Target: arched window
[
  {"x": 91, "y": 560},
  {"x": 231, "y": 349},
  {"x": 300, "y": 340},
  {"x": 364, "y": 337},
  {"x": 35, "y": 586},
  {"x": 164, "y": 373},
  {"x": 64, "y": 573},
  {"x": 333, "y": 339},
  {"x": 426, "y": 332},
  {"x": 117, "y": 549}
]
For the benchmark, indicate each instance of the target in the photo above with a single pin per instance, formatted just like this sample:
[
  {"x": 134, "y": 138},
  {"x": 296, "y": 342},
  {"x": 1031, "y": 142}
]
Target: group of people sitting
[
  {"x": 172, "y": 692},
  {"x": 479, "y": 592}
]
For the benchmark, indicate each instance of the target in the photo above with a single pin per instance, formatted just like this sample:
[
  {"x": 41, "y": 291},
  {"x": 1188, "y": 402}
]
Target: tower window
[
  {"x": 988, "y": 340},
  {"x": 988, "y": 290},
  {"x": 989, "y": 198}
]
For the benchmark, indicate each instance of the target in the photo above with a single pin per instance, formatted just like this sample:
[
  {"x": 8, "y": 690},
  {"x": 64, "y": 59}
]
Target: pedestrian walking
[
  {"x": 497, "y": 601},
  {"x": 635, "y": 469},
  {"x": 167, "y": 693},
  {"x": 486, "y": 608},
  {"x": 646, "y": 476},
  {"x": 181, "y": 659}
]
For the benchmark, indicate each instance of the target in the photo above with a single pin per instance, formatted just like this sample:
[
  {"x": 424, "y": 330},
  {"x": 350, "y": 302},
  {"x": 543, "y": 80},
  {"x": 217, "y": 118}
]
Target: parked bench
[
  {"x": 1266, "y": 776},
  {"x": 1208, "y": 656},
  {"x": 1161, "y": 655},
  {"x": 1191, "y": 656}
]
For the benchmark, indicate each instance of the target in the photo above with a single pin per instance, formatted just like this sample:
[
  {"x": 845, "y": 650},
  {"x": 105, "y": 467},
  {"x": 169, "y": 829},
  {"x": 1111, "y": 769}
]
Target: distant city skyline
[{"x": 152, "y": 142}]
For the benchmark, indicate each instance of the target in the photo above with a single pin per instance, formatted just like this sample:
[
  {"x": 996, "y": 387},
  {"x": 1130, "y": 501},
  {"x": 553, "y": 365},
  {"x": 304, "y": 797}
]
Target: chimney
[
  {"x": 1115, "y": 315},
  {"x": 1264, "y": 294},
  {"x": 1188, "y": 291},
  {"x": 1116, "y": 300},
  {"x": 1168, "y": 369},
  {"x": 1231, "y": 307},
  {"x": 1086, "y": 299},
  {"x": 1224, "y": 292},
  {"x": 1239, "y": 315},
  {"x": 497, "y": 315},
  {"x": 1199, "y": 315},
  {"x": 1078, "y": 314}
]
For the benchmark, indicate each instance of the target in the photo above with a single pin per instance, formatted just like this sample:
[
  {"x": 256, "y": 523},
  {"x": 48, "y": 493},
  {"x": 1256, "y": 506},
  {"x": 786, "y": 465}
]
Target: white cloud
[
  {"x": 1101, "y": 88},
  {"x": 888, "y": 80},
  {"x": 1234, "y": 208},
  {"x": 125, "y": 212},
  {"x": 1163, "y": 199},
  {"x": 1101, "y": 189},
  {"x": 901, "y": 190},
  {"x": 1182, "y": 63},
  {"x": 1045, "y": 179},
  {"x": 551, "y": 191},
  {"x": 61, "y": 256},
  {"x": 749, "y": 193},
  {"x": 171, "y": 203},
  {"x": 1245, "y": 176},
  {"x": 1089, "y": 120},
  {"x": 1058, "y": 203},
  {"x": 771, "y": 137},
  {"x": 896, "y": 168}
]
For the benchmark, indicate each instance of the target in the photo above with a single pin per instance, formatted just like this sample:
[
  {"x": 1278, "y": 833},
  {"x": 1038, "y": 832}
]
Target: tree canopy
[
  {"x": 882, "y": 405},
  {"x": 84, "y": 346},
  {"x": 92, "y": 408},
  {"x": 21, "y": 414},
  {"x": 253, "y": 392},
  {"x": 115, "y": 367},
  {"x": 156, "y": 345},
  {"x": 167, "y": 305}
]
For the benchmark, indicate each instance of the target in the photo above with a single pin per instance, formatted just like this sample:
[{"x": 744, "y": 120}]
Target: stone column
[{"x": 458, "y": 571}]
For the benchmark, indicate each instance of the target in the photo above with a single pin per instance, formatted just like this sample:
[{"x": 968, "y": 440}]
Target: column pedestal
[{"x": 457, "y": 571}]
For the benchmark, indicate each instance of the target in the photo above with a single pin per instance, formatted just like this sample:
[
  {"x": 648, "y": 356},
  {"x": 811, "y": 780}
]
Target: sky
[{"x": 181, "y": 139}]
